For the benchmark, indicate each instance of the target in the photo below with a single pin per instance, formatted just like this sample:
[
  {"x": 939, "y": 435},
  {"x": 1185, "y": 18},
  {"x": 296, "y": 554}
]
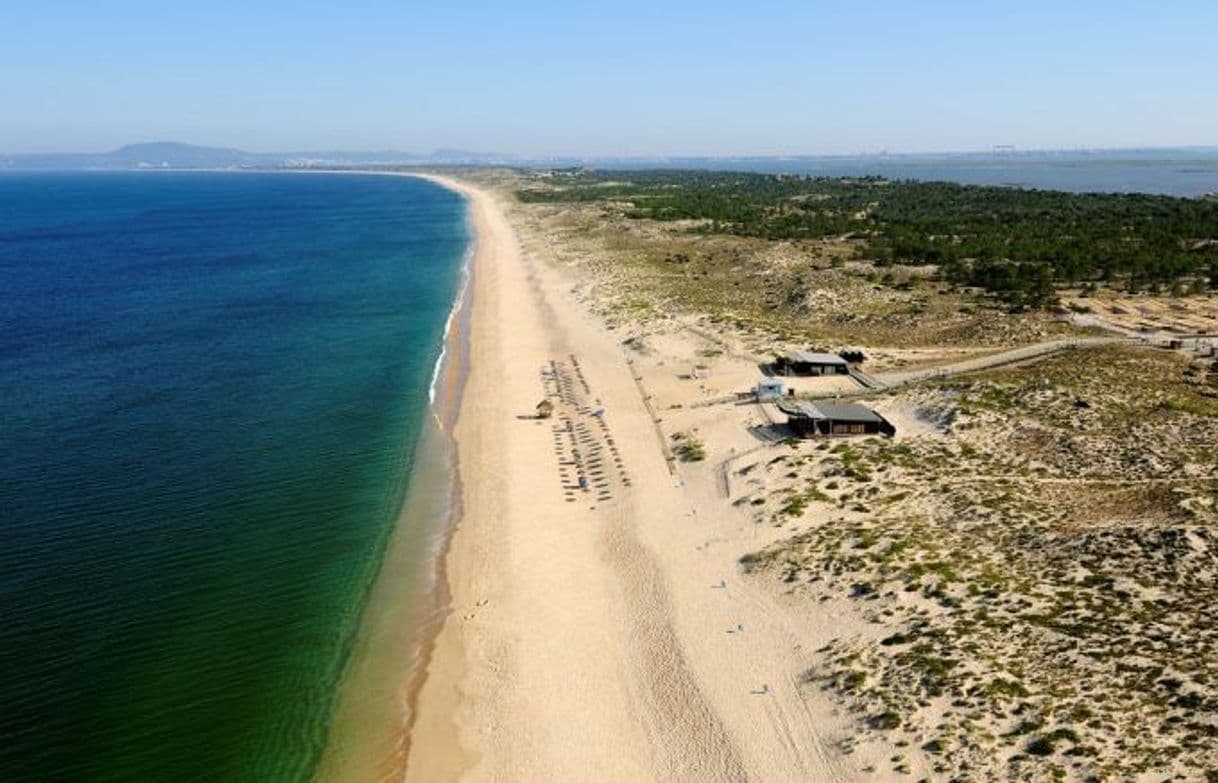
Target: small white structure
[{"x": 770, "y": 389}]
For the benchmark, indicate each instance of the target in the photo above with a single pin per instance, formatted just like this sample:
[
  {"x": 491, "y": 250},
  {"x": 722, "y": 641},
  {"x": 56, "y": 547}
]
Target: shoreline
[
  {"x": 457, "y": 357},
  {"x": 451, "y": 378},
  {"x": 582, "y": 629},
  {"x": 579, "y": 638},
  {"x": 376, "y": 684}
]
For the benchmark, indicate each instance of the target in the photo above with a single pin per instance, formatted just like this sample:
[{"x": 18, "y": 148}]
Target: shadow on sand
[{"x": 771, "y": 433}]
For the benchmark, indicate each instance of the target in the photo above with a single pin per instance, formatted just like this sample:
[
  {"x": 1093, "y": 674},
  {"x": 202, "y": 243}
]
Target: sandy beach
[
  {"x": 537, "y": 393},
  {"x": 600, "y": 631}
]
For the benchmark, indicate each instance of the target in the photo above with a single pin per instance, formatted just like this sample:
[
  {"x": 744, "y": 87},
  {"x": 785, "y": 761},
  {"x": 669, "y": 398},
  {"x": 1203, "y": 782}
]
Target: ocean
[{"x": 211, "y": 390}]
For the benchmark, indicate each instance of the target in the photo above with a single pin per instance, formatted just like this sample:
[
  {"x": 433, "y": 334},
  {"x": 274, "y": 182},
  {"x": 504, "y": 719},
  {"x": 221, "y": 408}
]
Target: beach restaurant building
[
  {"x": 810, "y": 363},
  {"x": 810, "y": 419}
]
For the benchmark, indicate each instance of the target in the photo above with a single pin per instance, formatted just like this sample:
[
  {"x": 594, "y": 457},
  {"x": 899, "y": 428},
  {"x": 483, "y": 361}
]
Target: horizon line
[{"x": 998, "y": 149}]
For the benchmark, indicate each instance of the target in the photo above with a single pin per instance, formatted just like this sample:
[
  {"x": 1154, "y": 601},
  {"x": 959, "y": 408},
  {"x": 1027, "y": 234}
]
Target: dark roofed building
[
  {"x": 809, "y": 419},
  {"x": 810, "y": 363},
  {"x": 852, "y": 355}
]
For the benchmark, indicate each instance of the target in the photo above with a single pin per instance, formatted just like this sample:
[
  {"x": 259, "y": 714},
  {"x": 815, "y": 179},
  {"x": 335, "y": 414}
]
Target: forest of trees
[{"x": 1020, "y": 244}]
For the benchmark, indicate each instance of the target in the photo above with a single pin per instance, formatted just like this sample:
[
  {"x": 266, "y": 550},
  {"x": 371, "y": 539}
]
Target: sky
[{"x": 749, "y": 77}]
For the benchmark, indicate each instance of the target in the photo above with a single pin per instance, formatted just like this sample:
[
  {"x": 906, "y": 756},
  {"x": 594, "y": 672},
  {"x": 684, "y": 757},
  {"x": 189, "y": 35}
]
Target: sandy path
[
  {"x": 991, "y": 361},
  {"x": 587, "y": 639}
]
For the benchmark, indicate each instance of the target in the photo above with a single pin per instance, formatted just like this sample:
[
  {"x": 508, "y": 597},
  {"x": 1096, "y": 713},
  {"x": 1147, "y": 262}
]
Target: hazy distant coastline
[{"x": 1183, "y": 171}]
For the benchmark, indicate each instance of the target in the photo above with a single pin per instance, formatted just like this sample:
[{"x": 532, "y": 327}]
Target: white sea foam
[{"x": 458, "y": 304}]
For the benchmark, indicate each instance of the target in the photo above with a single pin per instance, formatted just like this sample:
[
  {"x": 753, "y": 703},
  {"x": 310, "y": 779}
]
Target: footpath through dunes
[
  {"x": 1013, "y": 356},
  {"x": 585, "y": 637}
]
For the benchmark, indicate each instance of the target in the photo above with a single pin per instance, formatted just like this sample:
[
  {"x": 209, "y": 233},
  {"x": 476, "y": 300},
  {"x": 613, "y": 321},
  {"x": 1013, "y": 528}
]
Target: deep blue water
[{"x": 210, "y": 389}]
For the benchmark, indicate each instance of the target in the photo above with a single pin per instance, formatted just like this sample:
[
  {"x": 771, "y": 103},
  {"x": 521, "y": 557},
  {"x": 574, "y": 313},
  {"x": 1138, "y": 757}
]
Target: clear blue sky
[{"x": 612, "y": 77}]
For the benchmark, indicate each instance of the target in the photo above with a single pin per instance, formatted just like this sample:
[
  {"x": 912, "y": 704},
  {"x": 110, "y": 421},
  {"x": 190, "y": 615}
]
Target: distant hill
[
  {"x": 1179, "y": 171},
  {"x": 176, "y": 155},
  {"x": 160, "y": 154}
]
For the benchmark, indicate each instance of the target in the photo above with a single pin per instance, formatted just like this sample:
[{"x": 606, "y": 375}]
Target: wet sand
[{"x": 370, "y": 730}]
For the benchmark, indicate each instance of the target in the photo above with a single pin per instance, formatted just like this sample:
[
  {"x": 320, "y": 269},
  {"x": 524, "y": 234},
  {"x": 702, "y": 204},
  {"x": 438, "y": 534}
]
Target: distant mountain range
[{"x": 176, "y": 155}]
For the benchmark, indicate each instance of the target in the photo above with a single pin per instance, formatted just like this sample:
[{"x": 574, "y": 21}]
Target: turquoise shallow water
[{"x": 210, "y": 390}]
